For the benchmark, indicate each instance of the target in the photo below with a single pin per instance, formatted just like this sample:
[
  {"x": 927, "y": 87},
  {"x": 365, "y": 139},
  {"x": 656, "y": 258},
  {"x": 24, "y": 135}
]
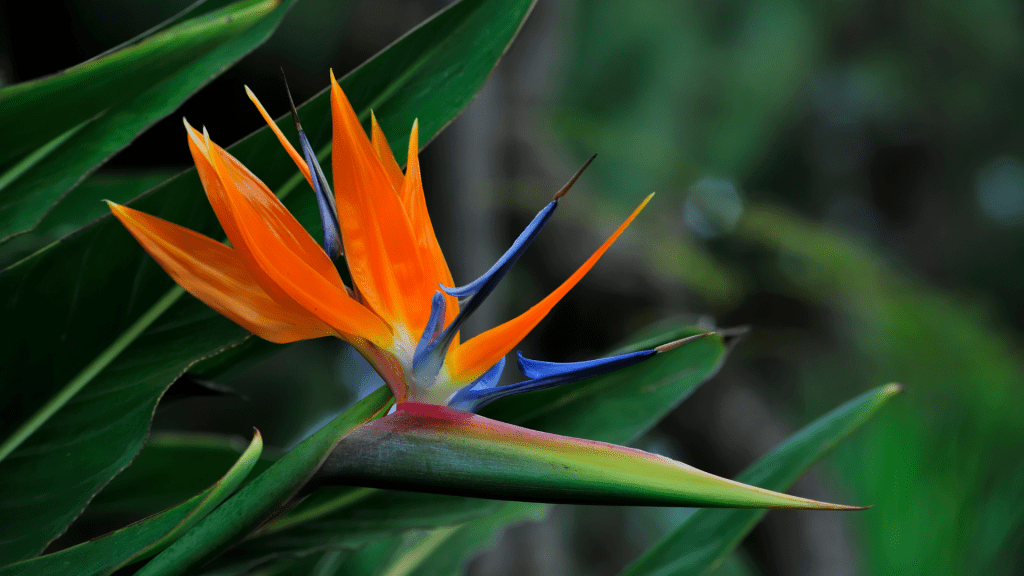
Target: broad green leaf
[
  {"x": 336, "y": 518},
  {"x": 707, "y": 537},
  {"x": 81, "y": 206},
  {"x": 80, "y": 305},
  {"x": 172, "y": 467},
  {"x": 46, "y": 483},
  {"x": 441, "y": 551},
  {"x": 145, "y": 538},
  {"x": 450, "y": 551},
  {"x": 60, "y": 128},
  {"x": 266, "y": 494}
]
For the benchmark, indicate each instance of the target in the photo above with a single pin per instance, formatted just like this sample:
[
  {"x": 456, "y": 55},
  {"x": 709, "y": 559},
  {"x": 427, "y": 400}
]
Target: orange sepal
[
  {"x": 299, "y": 160},
  {"x": 387, "y": 157},
  {"x": 378, "y": 237},
  {"x": 215, "y": 274},
  {"x": 416, "y": 207},
  {"x": 477, "y": 354},
  {"x": 257, "y": 192},
  {"x": 289, "y": 256}
]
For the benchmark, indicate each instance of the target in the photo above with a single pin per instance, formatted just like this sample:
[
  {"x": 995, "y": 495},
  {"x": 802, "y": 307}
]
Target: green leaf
[
  {"x": 441, "y": 551},
  {"x": 45, "y": 484},
  {"x": 336, "y": 518},
  {"x": 266, "y": 494},
  {"x": 707, "y": 537},
  {"x": 60, "y": 128},
  {"x": 101, "y": 330},
  {"x": 143, "y": 539},
  {"x": 446, "y": 551},
  {"x": 79, "y": 207},
  {"x": 172, "y": 467},
  {"x": 437, "y": 552}
]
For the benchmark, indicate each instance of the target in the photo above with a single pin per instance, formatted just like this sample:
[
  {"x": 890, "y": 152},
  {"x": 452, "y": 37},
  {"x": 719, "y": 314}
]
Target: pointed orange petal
[
  {"x": 215, "y": 274},
  {"x": 378, "y": 237},
  {"x": 416, "y": 207},
  {"x": 289, "y": 256},
  {"x": 256, "y": 193},
  {"x": 299, "y": 160},
  {"x": 476, "y": 355},
  {"x": 387, "y": 157},
  {"x": 218, "y": 200}
]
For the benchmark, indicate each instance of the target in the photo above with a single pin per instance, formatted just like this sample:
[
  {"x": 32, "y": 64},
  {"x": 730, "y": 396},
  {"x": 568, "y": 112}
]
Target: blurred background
[{"x": 845, "y": 178}]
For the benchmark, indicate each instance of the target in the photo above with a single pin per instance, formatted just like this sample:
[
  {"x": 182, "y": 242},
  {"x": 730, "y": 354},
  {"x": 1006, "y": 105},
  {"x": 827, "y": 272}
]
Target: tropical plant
[{"x": 415, "y": 476}]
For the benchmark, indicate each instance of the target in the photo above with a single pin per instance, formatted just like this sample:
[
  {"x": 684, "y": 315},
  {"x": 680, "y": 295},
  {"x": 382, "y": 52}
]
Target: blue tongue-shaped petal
[
  {"x": 324, "y": 196},
  {"x": 484, "y": 285},
  {"x": 427, "y": 359},
  {"x": 324, "y": 200},
  {"x": 430, "y": 352},
  {"x": 438, "y": 309},
  {"x": 545, "y": 375}
]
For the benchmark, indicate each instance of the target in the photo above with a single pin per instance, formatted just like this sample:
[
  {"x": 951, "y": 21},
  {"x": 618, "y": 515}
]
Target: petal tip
[{"x": 565, "y": 189}]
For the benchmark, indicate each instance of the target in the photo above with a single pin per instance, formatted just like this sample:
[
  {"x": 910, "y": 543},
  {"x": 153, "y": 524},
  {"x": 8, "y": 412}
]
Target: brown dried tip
[
  {"x": 295, "y": 113},
  {"x": 681, "y": 341},
  {"x": 574, "y": 178}
]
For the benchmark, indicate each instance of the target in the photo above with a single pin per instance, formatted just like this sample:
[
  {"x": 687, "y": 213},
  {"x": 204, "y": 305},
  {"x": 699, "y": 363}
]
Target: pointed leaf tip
[{"x": 429, "y": 448}]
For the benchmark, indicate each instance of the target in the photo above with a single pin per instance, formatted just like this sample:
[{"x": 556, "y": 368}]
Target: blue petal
[
  {"x": 466, "y": 398},
  {"x": 324, "y": 199},
  {"x": 486, "y": 283},
  {"x": 438, "y": 308},
  {"x": 545, "y": 375},
  {"x": 429, "y": 357}
]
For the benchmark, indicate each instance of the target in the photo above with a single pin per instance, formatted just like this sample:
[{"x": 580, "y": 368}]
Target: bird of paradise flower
[{"x": 403, "y": 313}]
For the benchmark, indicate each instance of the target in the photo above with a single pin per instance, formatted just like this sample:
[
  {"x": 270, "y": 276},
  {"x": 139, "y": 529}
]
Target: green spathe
[{"x": 430, "y": 448}]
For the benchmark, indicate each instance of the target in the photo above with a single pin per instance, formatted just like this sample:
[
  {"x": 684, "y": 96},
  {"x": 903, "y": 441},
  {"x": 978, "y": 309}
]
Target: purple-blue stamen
[
  {"x": 543, "y": 375},
  {"x": 428, "y": 358},
  {"x": 324, "y": 197},
  {"x": 466, "y": 398},
  {"x": 438, "y": 308},
  {"x": 325, "y": 201},
  {"x": 551, "y": 374},
  {"x": 484, "y": 285}
]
